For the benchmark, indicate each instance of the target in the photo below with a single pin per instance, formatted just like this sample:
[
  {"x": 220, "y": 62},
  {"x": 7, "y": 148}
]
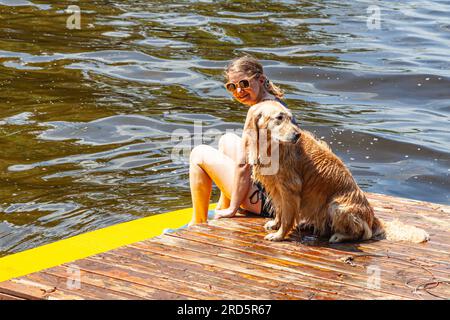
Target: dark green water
[{"x": 89, "y": 118}]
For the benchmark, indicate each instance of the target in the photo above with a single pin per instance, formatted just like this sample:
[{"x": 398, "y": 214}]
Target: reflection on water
[{"x": 91, "y": 119}]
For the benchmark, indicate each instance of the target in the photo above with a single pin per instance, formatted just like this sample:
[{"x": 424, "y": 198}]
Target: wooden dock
[{"x": 229, "y": 259}]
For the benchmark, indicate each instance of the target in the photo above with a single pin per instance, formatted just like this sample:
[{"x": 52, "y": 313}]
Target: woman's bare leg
[
  {"x": 228, "y": 144},
  {"x": 207, "y": 165},
  {"x": 223, "y": 202},
  {"x": 201, "y": 186}
]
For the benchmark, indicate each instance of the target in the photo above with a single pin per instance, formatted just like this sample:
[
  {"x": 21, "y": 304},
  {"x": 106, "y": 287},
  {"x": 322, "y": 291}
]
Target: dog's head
[{"x": 272, "y": 122}]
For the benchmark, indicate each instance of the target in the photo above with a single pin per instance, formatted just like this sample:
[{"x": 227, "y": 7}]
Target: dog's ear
[{"x": 250, "y": 138}]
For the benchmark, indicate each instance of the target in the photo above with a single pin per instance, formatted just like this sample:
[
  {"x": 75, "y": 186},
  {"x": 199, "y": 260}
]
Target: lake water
[{"x": 89, "y": 117}]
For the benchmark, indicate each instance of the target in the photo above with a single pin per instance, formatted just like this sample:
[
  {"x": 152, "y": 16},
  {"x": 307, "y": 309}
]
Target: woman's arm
[
  {"x": 242, "y": 180},
  {"x": 241, "y": 185}
]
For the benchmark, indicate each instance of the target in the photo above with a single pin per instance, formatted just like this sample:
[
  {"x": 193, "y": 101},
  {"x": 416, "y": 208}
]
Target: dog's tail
[{"x": 398, "y": 231}]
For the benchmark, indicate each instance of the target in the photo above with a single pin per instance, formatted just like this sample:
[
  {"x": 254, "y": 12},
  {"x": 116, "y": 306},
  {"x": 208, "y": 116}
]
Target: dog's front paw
[
  {"x": 271, "y": 225},
  {"x": 276, "y": 236},
  {"x": 337, "y": 237}
]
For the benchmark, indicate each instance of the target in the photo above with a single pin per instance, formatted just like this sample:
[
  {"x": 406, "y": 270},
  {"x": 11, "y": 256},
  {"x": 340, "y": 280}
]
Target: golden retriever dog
[{"x": 307, "y": 183}]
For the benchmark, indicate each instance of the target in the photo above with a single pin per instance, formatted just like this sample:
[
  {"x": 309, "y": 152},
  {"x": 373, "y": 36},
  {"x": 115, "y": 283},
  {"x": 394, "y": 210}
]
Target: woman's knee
[
  {"x": 228, "y": 139},
  {"x": 198, "y": 154},
  {"x": 228, "y": 144}
]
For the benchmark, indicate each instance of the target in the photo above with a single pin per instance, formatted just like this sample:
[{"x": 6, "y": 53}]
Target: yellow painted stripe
[{"x": 90, "y": 243}]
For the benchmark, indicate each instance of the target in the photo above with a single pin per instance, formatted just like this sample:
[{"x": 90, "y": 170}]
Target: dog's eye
[{"x": 279, "y": 117}]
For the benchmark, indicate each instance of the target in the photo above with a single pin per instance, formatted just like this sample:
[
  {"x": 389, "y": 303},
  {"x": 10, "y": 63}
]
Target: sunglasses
[{"x": 243, "y": 84}]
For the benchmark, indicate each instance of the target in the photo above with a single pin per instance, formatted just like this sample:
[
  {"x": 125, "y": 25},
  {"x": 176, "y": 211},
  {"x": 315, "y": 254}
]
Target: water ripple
[{"x": 96, "y": 124}]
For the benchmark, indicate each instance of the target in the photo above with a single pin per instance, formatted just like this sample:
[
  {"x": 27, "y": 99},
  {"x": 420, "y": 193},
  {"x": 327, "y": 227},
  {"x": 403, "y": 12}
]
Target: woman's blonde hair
[{"x": 248, "y": 65}]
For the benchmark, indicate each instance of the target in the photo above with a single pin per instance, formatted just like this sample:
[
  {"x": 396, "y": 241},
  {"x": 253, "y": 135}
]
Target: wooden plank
[
  {"x": 111, "y": 282},
  {"x": 135, "y": 271},
  {"x": 239, "y": 229},
  {"x": 229, "y": 259},
  {"x": 238, "y": 224},
  {"x": 317, "y": 256},
  {"x": 201, "y": 281},
  {"x": 249, "y": 271},
  {"x": 4, "y": 296},
  {"x": 139, "y": 272},
  {"x": 387, "y": 199},
  {"x": 390, "y": 281},
  {"x": 255, "y": 264},
  {"x": 419, "y": 251},
  {"x": 439, "y": 229},
  {"x": 421, "y": 217},
  {"x": 430, "y": 250},
  {"x": 440, "y": 262},
  {"x": 87, "y": 291},
  {"x": 399, "y": 271},
  {"x": 413, "y": 266},
  {"x": 411, "y": 207},
  {"x": 31, "y": 290},
  {"x": 436, "y": 225},
  {"x": 440, "y": 240}
]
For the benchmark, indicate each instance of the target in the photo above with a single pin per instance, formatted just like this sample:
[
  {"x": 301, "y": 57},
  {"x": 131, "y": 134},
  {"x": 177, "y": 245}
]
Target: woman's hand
[{"x": 225, "y": 213}]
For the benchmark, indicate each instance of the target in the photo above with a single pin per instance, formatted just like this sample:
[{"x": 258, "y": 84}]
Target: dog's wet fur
[{"x": 312, "y": 185}]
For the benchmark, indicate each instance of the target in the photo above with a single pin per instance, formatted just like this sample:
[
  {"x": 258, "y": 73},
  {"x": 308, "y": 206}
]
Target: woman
[{"x": 249, "y": 85}]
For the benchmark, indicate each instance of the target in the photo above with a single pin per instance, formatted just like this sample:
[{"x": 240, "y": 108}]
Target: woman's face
[{"x": 251, "y": 95}]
